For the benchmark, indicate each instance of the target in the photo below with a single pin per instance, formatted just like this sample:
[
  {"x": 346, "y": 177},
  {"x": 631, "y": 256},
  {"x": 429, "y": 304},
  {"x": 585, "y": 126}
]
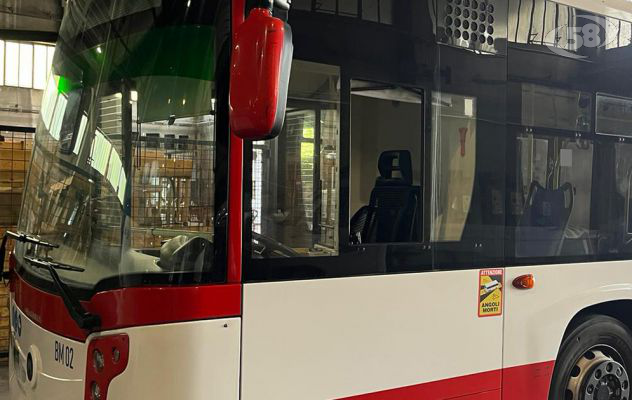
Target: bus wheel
[{"x": 595, "y": 362}]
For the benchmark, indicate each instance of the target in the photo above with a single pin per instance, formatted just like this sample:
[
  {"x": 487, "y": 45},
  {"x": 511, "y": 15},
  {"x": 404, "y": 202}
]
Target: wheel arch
[
  {"x": 603, "y": 311},
  {"x": 613, "y": 308}
]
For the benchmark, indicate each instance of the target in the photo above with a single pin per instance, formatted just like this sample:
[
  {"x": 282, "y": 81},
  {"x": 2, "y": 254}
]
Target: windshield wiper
[
  {"x": 42, "y": 263},
  {"x": 80, "y": 315},
  {"x": 19, "y": 237},
  {"x": 25, "y": 238},
  {"x": 83, "y": 318}
]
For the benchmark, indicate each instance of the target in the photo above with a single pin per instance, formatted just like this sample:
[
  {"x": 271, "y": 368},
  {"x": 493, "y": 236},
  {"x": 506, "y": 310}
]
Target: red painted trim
[
  {"x": 112, "y": 366},
  {"x": 238, "y": 13},
  {"x": 525, "y": 382},
  {"x": 158, "y": 305},
  {"x": 236, "y": 181},
  {"x": 491, "y": 395},
  {"x": 235, "y": 209},
  {"x": 128, "y": 307},
  {"x": 489, "y": 381},
  {"x": 45, "y": 309},
  {"x": 528, "y": 382}
]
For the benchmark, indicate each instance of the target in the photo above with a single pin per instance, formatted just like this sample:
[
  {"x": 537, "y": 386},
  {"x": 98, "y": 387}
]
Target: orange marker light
[{"x": 524, "y": 282}]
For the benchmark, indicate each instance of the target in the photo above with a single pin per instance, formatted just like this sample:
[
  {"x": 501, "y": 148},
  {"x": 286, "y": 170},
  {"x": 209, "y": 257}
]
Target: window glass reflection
[
  {"x": 454, "y": 164},
  {"x": 555, "y": 187},
  {"x": 295, "y": 199},
  {"x": 385, "y": 175}
]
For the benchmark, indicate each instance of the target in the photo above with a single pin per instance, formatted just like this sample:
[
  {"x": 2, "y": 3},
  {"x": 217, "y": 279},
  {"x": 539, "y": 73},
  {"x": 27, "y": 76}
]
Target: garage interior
[{"x": 28, "y": 32}]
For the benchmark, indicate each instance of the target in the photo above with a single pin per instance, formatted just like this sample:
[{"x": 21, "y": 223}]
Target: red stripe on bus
[
  {"x": 158, "y": 305},
  {"x": 528, "y": 382},
  {"x": 235, "y": 181},
  {"x": 484, "y": 382},
  {"x": 129, "y": 307},
  {"x": 525, "y": 382},
  {"x": 491, "y": 395},
  {"x": 235, "y": 204},
  {"x": 45, "y": 309}
]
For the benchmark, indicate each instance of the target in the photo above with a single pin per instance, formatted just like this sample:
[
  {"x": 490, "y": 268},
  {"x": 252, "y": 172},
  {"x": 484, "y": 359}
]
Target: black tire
[{"x": 593, "y": 332}]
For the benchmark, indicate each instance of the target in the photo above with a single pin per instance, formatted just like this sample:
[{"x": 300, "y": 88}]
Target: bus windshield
[{"x": 124, "y": 166}]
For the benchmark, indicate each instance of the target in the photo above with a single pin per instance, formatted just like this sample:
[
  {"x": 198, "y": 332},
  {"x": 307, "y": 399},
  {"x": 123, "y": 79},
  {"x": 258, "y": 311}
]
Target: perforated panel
[{"x": 473, "y": 24}]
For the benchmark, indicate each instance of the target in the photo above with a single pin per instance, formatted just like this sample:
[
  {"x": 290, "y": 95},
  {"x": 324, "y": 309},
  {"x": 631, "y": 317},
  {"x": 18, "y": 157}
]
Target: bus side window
[
  {"x": 555, "y": 177},
  {"x": 295, "y": 177},
  {"x": 613, "y": 192},
  {"x": 386, "y": 163},
  {"x": 387, "y": 166},
  {"x": 454, "y": 165},
  {"x": 613, "y": 172}
]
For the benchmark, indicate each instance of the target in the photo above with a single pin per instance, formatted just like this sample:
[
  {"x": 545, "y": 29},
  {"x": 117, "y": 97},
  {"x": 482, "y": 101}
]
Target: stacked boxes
[{"x": 15, "y": 153}]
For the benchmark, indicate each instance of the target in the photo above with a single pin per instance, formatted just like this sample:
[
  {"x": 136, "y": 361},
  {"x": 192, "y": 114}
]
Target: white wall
[{"x": 19, "y": 106}]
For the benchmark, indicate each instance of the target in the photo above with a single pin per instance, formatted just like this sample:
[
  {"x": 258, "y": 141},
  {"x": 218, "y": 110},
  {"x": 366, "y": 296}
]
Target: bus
[{"x": 334, "y": 199}]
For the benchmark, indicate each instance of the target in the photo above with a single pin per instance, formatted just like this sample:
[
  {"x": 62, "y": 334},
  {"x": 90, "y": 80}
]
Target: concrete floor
[{"x": 4, "y": 382}]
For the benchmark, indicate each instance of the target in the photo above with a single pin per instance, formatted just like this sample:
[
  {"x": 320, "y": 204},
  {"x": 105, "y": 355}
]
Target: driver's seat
[{"x": 392, "y": 211}]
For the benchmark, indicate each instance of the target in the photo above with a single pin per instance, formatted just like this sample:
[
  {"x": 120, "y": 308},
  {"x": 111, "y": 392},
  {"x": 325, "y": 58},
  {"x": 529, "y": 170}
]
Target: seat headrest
[{"x": 398, "y": 161}]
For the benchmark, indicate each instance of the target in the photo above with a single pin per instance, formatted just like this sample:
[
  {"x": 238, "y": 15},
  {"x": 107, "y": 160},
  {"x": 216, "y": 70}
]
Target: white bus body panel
[
  {"x": 536, "y": 319},
  {"x": 333, "y": 338},
  {"x": 53, "y": 380},
  {"x": 193, "y": 360}
]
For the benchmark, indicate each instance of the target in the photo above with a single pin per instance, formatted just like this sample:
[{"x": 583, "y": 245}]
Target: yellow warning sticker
[{"x": 490, "y": 296}]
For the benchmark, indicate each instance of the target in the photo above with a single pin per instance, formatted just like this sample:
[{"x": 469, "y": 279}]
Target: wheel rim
[{"x": 599, "y": 374}]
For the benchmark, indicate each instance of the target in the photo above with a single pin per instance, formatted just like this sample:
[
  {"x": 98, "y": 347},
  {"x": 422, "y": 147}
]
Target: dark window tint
[
  {"x": 612, "y": 195},
  {"x": 295, "y": 177},
  {"x": 386, "y": 163},
  {"x": 554, "y": 201},
  {"x": 391, "y": 159}
]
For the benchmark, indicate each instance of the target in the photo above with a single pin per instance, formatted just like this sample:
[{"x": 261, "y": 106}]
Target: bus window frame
[
  {"x": 360, "y": 260},
  {"x": 425, "y": 161}
]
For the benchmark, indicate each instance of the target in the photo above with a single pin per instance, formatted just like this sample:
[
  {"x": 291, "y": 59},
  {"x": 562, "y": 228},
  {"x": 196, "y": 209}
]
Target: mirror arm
[
  {"x": 269, "y": 4},
  {"x": 283, "y": 4}
]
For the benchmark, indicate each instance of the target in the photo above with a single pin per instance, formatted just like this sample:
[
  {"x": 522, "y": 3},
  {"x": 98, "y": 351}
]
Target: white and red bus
[{"x": 445, "y": 213}]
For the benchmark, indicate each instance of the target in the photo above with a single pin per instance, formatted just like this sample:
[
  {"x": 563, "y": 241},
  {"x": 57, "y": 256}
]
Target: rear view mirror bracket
[{"x": 283, "y": 4}]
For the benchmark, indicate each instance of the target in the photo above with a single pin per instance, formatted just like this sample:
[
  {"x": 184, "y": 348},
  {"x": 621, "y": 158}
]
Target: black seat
[{"x": 392, "y": 211}]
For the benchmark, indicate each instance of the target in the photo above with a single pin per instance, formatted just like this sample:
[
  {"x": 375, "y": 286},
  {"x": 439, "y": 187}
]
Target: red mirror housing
[{"x": 261, "y": 61}]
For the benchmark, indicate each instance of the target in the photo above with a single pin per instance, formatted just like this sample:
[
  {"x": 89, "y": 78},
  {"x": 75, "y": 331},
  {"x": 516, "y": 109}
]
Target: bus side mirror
[{"x": 261, "y": 60}]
